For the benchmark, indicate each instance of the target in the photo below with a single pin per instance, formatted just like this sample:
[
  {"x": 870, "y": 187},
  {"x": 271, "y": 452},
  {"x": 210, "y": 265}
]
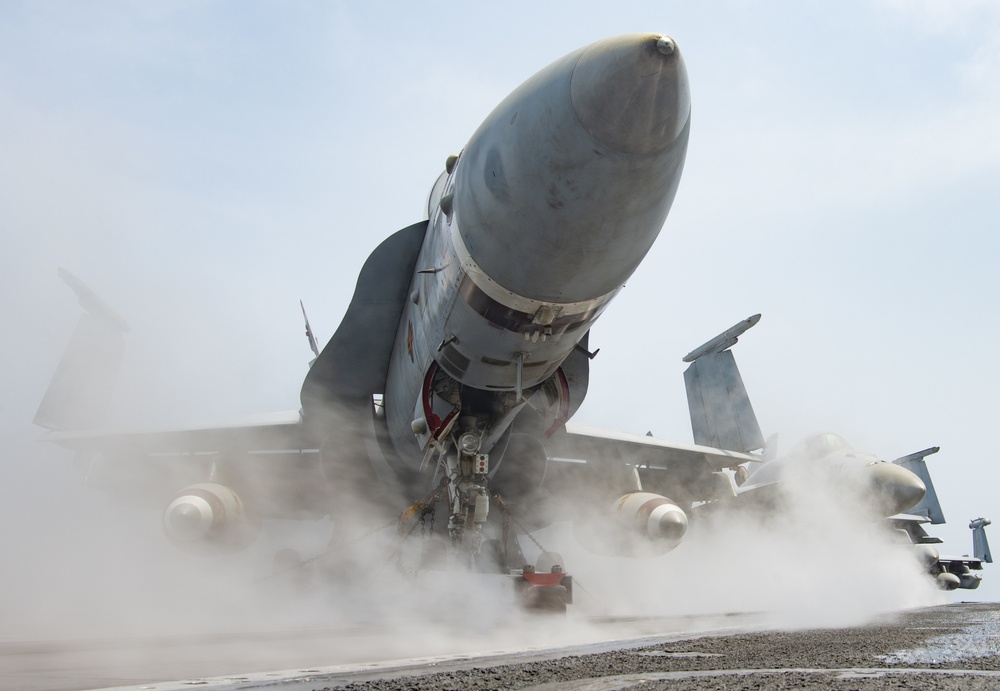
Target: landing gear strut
[{"x": 468, "y": 499}]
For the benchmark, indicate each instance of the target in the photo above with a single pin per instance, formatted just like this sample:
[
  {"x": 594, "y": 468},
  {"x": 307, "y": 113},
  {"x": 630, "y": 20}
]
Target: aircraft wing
[
  {"x": 279, "y": 431},
  {"x": 972, "y": 562},
  {"x": 582, "y": 441},
  {"x": 962, "y": 568},
  {"x": 684, "y": 472},
  {"x": 271, "y": 461}
]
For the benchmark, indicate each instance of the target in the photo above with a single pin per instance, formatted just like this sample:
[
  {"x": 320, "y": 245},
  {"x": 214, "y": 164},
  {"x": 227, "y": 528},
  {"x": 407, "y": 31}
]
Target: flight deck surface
[{"x": 952, "y": 646}]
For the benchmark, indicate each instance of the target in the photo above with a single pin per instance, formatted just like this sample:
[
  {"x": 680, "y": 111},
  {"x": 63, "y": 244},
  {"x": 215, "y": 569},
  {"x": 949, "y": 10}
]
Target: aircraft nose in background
[{"x": 896, "y": 489}]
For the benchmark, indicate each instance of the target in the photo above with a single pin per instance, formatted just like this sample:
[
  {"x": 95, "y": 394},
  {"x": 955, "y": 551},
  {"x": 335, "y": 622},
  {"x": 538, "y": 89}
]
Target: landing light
[{"x": 469, "y": 442}]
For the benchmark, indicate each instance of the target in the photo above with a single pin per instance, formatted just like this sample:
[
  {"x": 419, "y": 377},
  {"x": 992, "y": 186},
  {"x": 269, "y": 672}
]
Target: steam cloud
[{"x": 83, "y": 565}]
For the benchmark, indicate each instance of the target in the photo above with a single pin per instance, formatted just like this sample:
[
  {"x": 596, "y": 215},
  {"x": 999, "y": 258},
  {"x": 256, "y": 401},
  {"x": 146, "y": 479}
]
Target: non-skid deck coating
[
  {"x": 953, "y": 646},
  {"x": 950, "y": 647}
]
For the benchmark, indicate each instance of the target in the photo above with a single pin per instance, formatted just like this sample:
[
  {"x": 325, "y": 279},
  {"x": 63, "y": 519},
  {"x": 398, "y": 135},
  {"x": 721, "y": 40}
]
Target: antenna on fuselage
[{"x": 309, "y": 333}]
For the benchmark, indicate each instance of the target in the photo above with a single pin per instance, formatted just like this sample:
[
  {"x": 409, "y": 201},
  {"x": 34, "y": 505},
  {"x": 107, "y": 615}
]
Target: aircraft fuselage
[{"x": 533, "y": 230}]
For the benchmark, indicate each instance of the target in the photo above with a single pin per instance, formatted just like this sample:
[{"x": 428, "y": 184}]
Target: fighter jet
[
  {"x": 900, "y": 492},
  {"x": 449, "y": 387},
  {"x": 463, "y": 354},
  {"x": 950, "y": 572}
]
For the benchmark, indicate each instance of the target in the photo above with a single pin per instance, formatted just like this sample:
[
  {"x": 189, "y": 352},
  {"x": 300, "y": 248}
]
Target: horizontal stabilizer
[
  {"x": 980, "y": 545},
  {"x": 929, "y": 506}
]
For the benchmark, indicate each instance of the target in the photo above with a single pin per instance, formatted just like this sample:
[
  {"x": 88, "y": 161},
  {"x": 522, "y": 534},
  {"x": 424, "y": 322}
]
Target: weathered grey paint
[
  {"x": 546, "y": 213},
  {"x": 565, "y": 186}
]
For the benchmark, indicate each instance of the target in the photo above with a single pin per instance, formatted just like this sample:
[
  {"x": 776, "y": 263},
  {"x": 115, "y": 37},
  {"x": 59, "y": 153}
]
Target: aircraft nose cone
[
  {"x": 631, "y": 93},
  {"x": 563, "y": 189},
  {"x": 895, "y": 488},
  {"x": 927, "y": 555}
]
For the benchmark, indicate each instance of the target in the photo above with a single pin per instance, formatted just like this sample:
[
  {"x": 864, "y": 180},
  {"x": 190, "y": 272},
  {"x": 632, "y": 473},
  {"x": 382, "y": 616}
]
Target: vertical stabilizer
[
  {"x": 980, "y": 545},
  {"x": 80, "y": 391},
  {"x": 721, "y": 413},
  {"x": 929, "y": 506}
]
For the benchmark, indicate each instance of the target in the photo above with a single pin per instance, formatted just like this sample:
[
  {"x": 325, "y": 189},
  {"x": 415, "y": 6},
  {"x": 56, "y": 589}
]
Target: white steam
[{"x": 820, "y": 559}]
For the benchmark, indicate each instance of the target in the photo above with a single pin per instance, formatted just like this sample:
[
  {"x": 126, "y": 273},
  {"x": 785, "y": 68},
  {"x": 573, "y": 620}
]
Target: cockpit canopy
[{"x": 819, "y": 445}]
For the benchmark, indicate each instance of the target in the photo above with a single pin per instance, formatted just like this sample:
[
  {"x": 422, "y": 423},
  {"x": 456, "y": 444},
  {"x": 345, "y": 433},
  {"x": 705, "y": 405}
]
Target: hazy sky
[{"x": 203, "y": 166}]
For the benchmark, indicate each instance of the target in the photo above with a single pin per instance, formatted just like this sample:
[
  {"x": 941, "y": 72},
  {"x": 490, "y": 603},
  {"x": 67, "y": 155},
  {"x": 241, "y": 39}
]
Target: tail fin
[
  {"x": 80, "y": 390},
  {"x": 929, "y": 506},
  {"x": 980, "y": 545},
  {"x": 721, "y": 413}
]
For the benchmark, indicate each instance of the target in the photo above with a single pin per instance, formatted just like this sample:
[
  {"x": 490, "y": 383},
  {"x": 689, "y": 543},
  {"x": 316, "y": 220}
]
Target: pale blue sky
[{"x": 203, "y": 166}]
